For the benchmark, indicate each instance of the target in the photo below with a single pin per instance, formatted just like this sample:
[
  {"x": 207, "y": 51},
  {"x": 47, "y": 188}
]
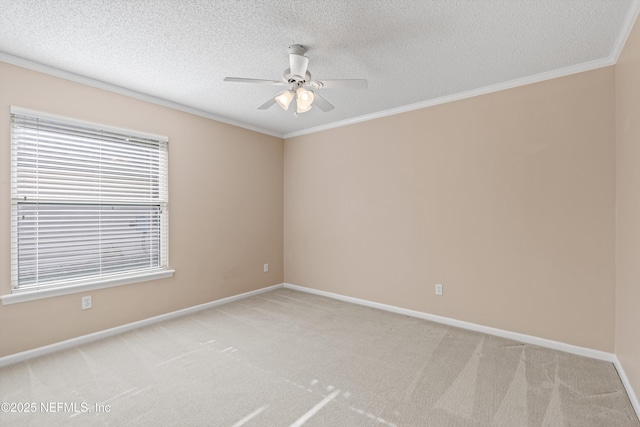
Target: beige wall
[
  {"x": 628, "y": 208},
  {"x": 225, "y": 213},
  {"x": 507, "y": 199}
]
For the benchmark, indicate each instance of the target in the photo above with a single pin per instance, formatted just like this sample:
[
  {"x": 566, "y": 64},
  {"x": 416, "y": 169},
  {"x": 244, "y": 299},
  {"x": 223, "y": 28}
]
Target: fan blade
[
  {"x": 243, "y": 80},
  {"x": 267, "y": 104},
  {"x": 322, "y": 103},
  {"x": 340, "y": 84},
  {"x": 298, "y": 65}
]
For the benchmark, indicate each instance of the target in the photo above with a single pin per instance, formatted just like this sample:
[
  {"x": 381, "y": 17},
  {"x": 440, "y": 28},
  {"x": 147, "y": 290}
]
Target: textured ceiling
[{"x": 412, "y": 52}]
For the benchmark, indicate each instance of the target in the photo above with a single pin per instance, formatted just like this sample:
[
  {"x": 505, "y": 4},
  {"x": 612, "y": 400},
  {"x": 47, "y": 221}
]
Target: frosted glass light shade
[
  {"x": 284, "y": 99},
  {"x": 304, "y": 100},
  {"x": 302, "y": 108}
]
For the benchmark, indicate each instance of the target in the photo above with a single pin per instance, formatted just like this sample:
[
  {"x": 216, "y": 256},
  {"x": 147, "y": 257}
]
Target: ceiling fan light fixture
[
  {"x": 302, "y": 108},
  {"x": 304, "y": 99},
  {"x": 284, "y": 99},
  {"x": 300, "y": 87}
]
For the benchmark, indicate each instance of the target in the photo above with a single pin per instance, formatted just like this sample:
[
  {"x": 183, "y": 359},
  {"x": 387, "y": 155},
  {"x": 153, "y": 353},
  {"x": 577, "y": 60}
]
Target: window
[{"x": 89, "y": 204}]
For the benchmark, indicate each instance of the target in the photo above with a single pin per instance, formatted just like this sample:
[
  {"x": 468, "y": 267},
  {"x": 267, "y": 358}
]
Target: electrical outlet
[
  {"x": 266, "y": 268},
  {"x": 86, "y": 302},
  {"x": 438, "y": 289}
]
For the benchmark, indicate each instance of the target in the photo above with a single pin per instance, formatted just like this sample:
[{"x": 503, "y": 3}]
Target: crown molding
[
  {"x": 549, "y": 75},
  {"x": 623, "y": 35},
  {"x": 634, "y": 10},
  {"x": 57, "y": 72}
]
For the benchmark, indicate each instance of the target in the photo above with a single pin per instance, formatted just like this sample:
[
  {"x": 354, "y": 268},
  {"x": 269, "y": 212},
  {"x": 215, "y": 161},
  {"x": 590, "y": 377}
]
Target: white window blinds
[{"x": 89, "y": 202}]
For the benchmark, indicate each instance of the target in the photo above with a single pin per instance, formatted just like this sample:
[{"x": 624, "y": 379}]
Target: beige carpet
[{"x": 287, "y": 358}]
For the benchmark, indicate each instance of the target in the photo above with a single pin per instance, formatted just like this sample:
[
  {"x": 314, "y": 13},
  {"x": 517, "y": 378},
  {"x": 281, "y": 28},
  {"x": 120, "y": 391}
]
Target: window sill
[{"x": 24, "y": 296}]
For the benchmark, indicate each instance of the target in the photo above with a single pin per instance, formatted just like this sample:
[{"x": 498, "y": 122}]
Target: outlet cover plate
[{"x": 86, "y": 302}]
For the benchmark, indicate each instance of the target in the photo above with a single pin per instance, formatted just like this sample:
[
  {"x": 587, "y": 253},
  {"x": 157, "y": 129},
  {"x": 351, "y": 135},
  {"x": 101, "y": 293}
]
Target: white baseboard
[
  {"x": 627, "y": 385},
  {"x": 528, "y": 339},
  {"x": 73, "y": 342}
]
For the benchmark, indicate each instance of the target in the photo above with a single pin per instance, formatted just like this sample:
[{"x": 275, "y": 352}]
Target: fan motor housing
[{"x": 292, "y": 78}]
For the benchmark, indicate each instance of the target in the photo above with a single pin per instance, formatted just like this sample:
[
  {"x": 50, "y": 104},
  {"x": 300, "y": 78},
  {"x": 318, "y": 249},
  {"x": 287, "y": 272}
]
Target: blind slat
[{"x": 86, "y": 202}]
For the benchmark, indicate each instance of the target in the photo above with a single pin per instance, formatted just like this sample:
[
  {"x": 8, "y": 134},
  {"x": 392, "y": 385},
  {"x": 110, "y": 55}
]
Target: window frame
[{"x": 84, "y": 284}]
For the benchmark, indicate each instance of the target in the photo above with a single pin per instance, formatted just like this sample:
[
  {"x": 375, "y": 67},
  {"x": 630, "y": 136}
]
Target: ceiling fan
[{"x": 301, "y": 87}]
